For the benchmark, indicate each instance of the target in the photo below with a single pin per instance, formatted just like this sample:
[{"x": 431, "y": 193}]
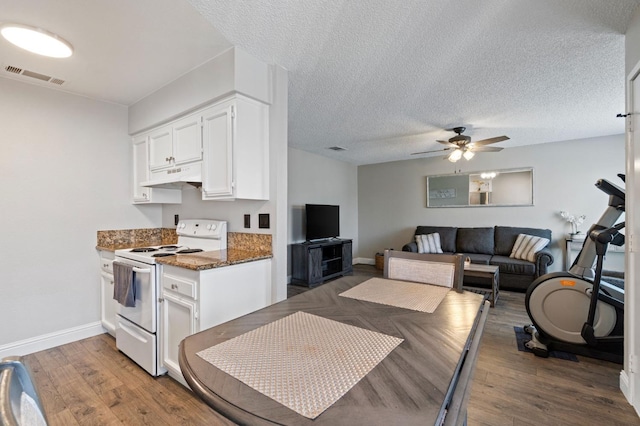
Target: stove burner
[
  {"x": 162, "y": 254},
  {"x": 143, "y": 250},
  {"x": 186, "y": 251},
  {"x": 169, "y": 247}
]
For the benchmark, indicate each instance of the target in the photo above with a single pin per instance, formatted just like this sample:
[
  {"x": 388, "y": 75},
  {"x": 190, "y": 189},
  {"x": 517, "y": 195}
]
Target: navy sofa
[{"x": 492, "y": 246}]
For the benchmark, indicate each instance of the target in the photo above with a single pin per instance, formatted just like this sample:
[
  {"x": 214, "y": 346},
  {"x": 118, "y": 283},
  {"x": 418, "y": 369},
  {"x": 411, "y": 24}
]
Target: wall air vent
[
  {"x": 337, "y": 148},
  {"x": 33, "y": 74}
]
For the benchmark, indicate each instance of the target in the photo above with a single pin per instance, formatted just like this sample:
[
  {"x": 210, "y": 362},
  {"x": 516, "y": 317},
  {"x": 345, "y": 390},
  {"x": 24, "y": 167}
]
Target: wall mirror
[{"x": 491, "y": 188}]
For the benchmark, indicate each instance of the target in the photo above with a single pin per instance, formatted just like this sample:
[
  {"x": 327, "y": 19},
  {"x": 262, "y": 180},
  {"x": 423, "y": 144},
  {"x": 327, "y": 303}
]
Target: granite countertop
[
  {"x": 213, "y": 259},
  {"x": 241, "y": 247}
]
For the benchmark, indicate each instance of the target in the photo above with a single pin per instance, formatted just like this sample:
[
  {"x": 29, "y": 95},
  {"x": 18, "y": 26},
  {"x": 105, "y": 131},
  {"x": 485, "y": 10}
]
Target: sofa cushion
[
  {"x": 475, "y": 240},
  {"x": 527, "y": 246},
  {"x": 429, "y": 243},
  {"x": 508, "y": 265},
  {"x": 505, "y": 237},
  {"x": 447, "y": 236}
]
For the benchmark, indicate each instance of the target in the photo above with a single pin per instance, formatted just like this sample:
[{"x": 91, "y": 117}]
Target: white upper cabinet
[
  {"x": 177, "y": 143},
  {"x": 217, "y": 131},
  {"x": 187, "y": 140},
  {"x": 143, "y": 194},
  {"x": 235, "y": 139},
  {"x": 225, "y": 146}
]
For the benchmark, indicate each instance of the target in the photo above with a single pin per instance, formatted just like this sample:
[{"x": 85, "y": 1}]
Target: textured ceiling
[{"x": 381, "y": 78}]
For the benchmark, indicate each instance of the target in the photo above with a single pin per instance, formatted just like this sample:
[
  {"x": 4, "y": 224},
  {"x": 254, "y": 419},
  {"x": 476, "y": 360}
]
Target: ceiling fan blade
[
  {"x": 486, "y": 149},
  {"x": 449, "y": 144},
  {"x": 429, "y": 152},
  {"x": 490, "y": 140}
]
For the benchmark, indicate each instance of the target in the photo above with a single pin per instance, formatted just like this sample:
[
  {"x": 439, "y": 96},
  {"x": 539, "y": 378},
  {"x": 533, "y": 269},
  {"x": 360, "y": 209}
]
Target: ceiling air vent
[
  {"x": 33, "y": 74},
  {"x": 337, "y": 148},
  {"x": 14, "y": 70}
]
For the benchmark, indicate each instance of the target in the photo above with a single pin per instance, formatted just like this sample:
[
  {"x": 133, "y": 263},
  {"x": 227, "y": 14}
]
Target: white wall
[
  {"x": 65, "y": 173},
  {"x": 392, "y": 196},
  {"x": 314, "y": 179},
  {"x": 233, "y": 212}
]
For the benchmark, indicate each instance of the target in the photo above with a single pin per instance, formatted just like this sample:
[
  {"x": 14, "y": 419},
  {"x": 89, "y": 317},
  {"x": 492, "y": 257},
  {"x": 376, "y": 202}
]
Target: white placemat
[
  {"x": 303, "y": 361},
  {"x": 401, "y": 294}
]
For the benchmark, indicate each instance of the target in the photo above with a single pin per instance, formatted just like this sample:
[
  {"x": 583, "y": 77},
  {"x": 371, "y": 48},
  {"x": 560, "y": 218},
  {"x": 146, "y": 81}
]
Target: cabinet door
[
  {"x": 179, "y": 320},
  {"x": 347, "y": 257},
  {"x": 217, "y": 141},
  {"x": 161, "y": 148},
  {"x": 187, "y": 140},
  {"x": 141, "y": 194},
  {"x": 108, "y": 305},
  {"x": 315, "y": 265}
]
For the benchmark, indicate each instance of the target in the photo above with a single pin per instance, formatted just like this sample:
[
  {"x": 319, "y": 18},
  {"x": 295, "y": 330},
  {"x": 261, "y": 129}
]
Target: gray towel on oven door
[{"x": 124, "y": 289}]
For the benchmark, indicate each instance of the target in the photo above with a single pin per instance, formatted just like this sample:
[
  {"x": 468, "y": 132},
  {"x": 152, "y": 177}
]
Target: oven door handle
[{"x": 141, "y": 270}]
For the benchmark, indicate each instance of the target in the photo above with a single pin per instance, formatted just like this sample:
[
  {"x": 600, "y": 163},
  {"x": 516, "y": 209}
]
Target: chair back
[{"x": 445, "y": 270}]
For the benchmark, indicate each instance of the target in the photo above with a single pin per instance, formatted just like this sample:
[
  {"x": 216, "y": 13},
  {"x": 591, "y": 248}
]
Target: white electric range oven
[{"x": 137, "y": 329}]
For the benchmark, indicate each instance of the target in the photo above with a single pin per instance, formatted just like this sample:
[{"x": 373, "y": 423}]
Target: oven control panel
[{"x": 202, "y": 228}]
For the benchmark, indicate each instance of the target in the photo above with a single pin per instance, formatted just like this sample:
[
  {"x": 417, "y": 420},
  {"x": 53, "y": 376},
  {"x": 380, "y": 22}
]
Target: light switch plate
[{"x": 263, "y": 220}]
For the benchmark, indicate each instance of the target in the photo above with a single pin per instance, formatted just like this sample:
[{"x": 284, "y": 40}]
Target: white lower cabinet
[
  {"x": 193, "y": 301},
  {"x": 108, "y": 304},
  {"x": 178, "y": 321}
]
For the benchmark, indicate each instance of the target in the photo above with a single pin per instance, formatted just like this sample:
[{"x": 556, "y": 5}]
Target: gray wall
[
  {"x": 314, "y": 179},
  {"x": 392, "y": 196},
  {"x": 66, "y": 173}
]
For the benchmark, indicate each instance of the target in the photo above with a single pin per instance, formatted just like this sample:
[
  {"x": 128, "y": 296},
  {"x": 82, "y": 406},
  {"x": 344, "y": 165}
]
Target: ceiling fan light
[
  {"x": 455, "y": 155},
  {"x": 37, "y": 40},
  {"x": 468, "y": 155}
]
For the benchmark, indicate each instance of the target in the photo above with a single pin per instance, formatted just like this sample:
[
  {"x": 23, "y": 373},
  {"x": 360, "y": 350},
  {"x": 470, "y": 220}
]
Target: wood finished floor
[{"x": 90, "y": 383}]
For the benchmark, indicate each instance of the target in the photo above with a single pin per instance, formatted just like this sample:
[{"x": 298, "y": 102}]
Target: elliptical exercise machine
[{"x": 577, "y": 311}]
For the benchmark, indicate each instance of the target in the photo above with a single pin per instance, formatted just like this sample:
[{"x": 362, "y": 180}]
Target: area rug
[
  {"x": 522, "y": 337},
  {"x": 303, "y": 361}
]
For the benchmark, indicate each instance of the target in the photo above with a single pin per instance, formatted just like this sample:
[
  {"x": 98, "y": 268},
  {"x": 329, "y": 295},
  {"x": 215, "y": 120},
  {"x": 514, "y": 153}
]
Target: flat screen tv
[{"x": 323, "y": 221}]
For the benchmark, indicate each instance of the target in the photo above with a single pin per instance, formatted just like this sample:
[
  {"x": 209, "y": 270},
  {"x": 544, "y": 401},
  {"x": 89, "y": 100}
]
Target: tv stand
[{"x": 314, "y": 262}]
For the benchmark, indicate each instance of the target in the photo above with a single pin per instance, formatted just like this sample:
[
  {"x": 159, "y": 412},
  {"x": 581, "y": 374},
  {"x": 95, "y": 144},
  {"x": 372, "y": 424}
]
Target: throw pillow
[
  {"x": 526, "y": 247},
  {"x": 429, "y": 243}
]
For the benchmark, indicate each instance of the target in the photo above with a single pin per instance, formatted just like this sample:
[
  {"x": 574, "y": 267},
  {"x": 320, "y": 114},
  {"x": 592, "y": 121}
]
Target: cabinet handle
[
  {"x": 174, "y": 287},
  {"x": 111, "y": 282},
  {"x": 160, "y": 300},
  {"x": 105, "y": 264}
]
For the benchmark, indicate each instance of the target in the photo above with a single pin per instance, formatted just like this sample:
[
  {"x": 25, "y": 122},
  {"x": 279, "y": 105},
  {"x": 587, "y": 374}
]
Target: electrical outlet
[{"x": 247, "y": 221}]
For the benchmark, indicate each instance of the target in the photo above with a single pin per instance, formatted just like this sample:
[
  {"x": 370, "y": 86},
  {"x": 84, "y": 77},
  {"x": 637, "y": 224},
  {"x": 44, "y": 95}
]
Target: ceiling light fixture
[
  {"x": 455, "y": 155},
  {"x": 468, "y": 155},
  {"x": 37, "y": 40}
]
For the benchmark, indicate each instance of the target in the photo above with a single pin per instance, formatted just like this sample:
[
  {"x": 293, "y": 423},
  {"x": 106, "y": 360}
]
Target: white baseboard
[
  {"x": 364, "y": 261},
  {"x": 624, "y": 386},
  {"x": 51, "y": 340}
]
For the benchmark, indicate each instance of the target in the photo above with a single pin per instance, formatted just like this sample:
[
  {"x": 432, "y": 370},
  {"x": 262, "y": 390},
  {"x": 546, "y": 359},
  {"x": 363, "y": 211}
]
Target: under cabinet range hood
[{"x": 176, "y": 177}]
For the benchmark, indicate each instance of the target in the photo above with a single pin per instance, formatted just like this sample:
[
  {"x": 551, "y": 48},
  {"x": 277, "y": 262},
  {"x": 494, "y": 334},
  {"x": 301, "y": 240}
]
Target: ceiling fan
[{"x": 463, "y": 147}]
